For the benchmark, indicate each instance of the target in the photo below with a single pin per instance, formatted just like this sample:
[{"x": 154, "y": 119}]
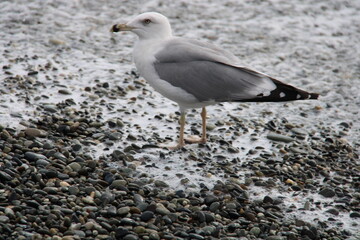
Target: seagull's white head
[{"x": 149, "y": 25}]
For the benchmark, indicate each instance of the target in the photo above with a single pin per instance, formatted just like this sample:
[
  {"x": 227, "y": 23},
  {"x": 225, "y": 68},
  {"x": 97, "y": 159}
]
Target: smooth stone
[
  {"x": 9, "y": 212},
  {"x": 76, "y": 167},
  {"x": 167, "y": 220},
  {"x": 89, "y": 190},
  {"x": 115, "y": 136},
  {"x": 68, "y": 237},
  {"x": 196, "y": 236},
  {"x": 89, "y": 225},
  {"x": 31, "y": 156},
  {"x": 60, "y": 156},
  {"x": 309, "y": 233},
  {"x": 107, "y": 197},
  {"x": 66, "y": 211},
  {"x": 201, "y": 216},
  {"x": 279, "y": 137},
  {"x": 307, "y": 205},
  {"x": 73, "y": 190},
  {"x": 146, "y": 216},
  {"x": 209, "y": 230},
  {"x": 209, "y": 199},
  {"x": 90, "y": 209},
  {"x": 160, "y": 184},
  {"x": 138, "y": 199},
  {"x": 297, "y": 150},
  {"x": 76, "y": 147},
  {"x": 333, "y": 211},
  {"x": 299, "y": 131},
  {"x": 214, "y": 206},
  {"x": 255, "y": 231},
  {"x": 5, "y": 176},
  {"x": 162, "y": 209},
  {"x": 131, "y": 237},
  {"x": 143, "y": 206},
  {"x": 327, "y": 192},
  {"x": 34, "y": 132},
  {"x": 139, "y": 230},
  {"x": 64, "y": 91},
  {"x": 355, "y": 215},
  {"x": 121, "y": 232},
  {"x": 51, "y": 190},
  {"x": 118, "y": 183},
  {"x": 128, "y": 221},
  {"x": 88, "y": 200},
  {"x": 33, "y": 203},
  {"x": 123, "y": 210},
  {"x": 42, "y": 163},
  {"x": 209, "y": 217},
  {"x": 210, "y": 126},
  {"x": 4, "y": 219},
  {"x": 50, "y": 108},
  {"x": 80, "y": 233},
  {"x": 154, "y": 236},
  {"x": 268, "y": 199},
  {"x": 277, "y": 238},
  {"x": 51, "y": 174}
]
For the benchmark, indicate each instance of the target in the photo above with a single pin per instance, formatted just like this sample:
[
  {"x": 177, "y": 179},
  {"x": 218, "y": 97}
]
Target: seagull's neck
[
  {"x": 149, "y": 46},
  {"x": 145, "y": 50}
]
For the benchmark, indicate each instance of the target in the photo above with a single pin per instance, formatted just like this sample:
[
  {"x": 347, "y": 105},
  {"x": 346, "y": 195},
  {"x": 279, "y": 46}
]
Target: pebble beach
[{"x": 80, "y": 129}]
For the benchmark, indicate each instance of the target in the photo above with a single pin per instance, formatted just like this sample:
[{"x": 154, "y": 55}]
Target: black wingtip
[
  {"x": 313, "y": 95},
  {"x": 284, "y": 92},
  {"x": 115, "y": 28}
]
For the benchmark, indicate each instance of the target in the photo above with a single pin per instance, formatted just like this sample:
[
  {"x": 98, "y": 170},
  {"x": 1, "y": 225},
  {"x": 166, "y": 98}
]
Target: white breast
[{"x": 144, "y": 57}]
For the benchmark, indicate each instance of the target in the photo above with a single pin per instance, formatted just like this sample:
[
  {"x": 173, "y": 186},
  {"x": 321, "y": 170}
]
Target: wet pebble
[
  {"x": 34, "y": 132},
  {"x": 327, "y": 192},
  {"x": 279, "y": 137},
  {"x": 355, "y": 215},
  {"x": 146, "y": 216},
  {"x": 31, "y": 156}
]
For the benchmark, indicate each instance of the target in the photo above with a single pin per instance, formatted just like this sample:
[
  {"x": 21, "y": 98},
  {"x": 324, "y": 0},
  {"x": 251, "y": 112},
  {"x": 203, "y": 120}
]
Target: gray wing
[{"x": 206, "y": 72}]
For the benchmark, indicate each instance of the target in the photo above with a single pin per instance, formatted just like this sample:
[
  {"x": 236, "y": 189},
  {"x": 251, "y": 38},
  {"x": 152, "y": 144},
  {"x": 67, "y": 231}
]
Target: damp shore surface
[{"x": 80, "y": 129}]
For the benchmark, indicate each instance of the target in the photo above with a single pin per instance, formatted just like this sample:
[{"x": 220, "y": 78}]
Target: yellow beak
[{"x": 121, "y": 27}]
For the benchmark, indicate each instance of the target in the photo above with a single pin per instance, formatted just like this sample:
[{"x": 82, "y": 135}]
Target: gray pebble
[
  {"x": 31, "y": 156},
  {"x": 160, "y": 184},
  {"x": 355, "y": 215},
  {"x": 214, "y": 206},
  {"x": 64, "y": 91},
  {"x": 73, "y": 190},
  {"x": 76, "y": 167},
  {"x": 299, "y": 131},
  {"x": 146, "y": 216},
  {"x": 333, "y": 211},
  {"x": 327, "y": 192},
  {"x": 34, "y": 132},
  {"x": 196, "y": 236},
  {"x": 279, "y": 137},
  {"x": 123, "y": 210},
  {"x": 5, "y": 176},
  {"x": 255, "y": 231},
  {"x": 4, "y": 219},
  {"x": 118, "y": 183},
  {"x": 162, "y": 209},
  {"x": 209, "y": 230},
  {"x": 131, "y": 237},
  {"x": 42, "y": 163}
]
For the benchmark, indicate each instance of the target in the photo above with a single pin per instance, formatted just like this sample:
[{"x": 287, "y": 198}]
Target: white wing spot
[
  {"x": 298, "y": 96},
  {"x": 282, "y": 94}
]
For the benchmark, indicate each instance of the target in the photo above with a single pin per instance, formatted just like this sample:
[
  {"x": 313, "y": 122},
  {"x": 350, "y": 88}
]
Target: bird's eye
[{"x": 147, "y": 21}]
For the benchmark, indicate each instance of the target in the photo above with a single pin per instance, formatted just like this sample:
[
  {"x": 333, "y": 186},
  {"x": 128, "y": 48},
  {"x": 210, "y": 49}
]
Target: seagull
[{"x": 196, "y": 74}]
